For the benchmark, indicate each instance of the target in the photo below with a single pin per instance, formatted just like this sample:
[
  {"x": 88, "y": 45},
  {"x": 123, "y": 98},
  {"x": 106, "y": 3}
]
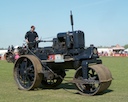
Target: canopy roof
[{"x": 118, "y": 47}]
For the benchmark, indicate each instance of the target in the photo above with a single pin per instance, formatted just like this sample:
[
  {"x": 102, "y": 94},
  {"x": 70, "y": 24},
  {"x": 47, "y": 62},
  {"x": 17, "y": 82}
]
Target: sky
[{"x": 104, "y": 22}]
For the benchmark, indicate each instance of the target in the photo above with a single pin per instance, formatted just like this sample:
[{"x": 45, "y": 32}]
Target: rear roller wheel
[
  {"x": 99, "y": 80},
  {"x": 27, "y": 72}
]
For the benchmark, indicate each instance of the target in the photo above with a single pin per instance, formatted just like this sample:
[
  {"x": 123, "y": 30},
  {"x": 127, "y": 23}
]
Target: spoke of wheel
[
  {"x": 23, "y": 81},
  {"x": 26, "y": 63},
  {"x": 29, "y": 81},
  {"x": 30, "y": 67},
  {"x": 93, "y": 76},
  {"x": 92, "y": 71},
  {"x": 19, "y": 75}
]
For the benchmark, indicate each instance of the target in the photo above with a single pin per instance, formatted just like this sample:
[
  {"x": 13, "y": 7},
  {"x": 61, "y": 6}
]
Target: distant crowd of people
[{"x": 113, "y": 53}]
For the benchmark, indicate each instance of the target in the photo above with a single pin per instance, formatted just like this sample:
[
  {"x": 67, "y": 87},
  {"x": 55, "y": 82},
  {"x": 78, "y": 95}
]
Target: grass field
[{"x": 118, "y": 91}]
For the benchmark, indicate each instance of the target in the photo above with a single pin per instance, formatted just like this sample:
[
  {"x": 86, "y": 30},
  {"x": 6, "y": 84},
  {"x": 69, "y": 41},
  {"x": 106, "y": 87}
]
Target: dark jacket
[{"x": 31, "y": 36}]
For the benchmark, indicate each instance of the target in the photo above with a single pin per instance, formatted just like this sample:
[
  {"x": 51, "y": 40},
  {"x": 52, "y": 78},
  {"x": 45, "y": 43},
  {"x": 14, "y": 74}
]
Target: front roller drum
[
  {"x": 27, "y": 72},
  {"x": 99, "y": 80}
]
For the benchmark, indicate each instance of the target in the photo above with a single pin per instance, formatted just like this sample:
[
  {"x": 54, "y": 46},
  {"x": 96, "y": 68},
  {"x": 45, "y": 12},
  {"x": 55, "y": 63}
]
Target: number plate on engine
[
  {"x": 59, "y": 58},
  {"x": 56, "y": 58}
]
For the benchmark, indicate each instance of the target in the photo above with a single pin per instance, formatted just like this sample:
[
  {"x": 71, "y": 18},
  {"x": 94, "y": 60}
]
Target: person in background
[
  {"x": 31, "y": 37},
  {"x": 16, "y": 52}
]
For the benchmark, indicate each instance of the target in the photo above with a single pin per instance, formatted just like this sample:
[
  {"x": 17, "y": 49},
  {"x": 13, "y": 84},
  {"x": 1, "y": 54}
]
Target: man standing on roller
[{"x": 30, "y": 37}]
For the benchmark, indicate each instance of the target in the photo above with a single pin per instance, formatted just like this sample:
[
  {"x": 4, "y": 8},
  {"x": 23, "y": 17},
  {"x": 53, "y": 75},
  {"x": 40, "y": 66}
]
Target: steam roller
[{"x": 47, "y": 66}]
